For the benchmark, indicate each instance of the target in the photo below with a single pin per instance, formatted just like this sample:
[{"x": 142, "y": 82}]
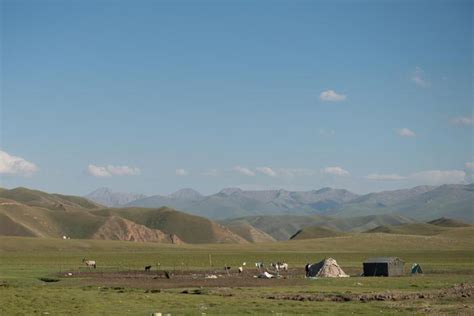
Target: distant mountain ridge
[
  {"x": 106, "y": 197},
  {"x": 422, "y": 202},
  {"x": 234, "y": 202}
]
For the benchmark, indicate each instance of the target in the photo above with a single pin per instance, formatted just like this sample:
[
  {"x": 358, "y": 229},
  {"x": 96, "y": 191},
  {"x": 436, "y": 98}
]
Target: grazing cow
[
  {"x": 306, "y": 269},
  {"x": 89, "y": 263},
  {"x": 147, "y": 268}
]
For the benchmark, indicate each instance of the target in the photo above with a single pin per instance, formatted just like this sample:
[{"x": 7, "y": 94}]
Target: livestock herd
[{"x": 277, "y": 266}]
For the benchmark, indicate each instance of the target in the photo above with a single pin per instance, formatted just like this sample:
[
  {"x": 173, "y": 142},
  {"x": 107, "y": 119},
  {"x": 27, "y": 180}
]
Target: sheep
[
  {"x": 241, "y": 269},
  {"x": 280, "y": 266},
  {"x": 89, "y": 263}
]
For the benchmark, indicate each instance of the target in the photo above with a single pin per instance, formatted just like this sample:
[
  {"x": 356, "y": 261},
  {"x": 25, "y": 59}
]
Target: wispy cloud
[
  {"x": 108, "y": 171},
  {"x": 430, "y": 177},
  {"x": 418, "y": 77},
  {"x": 14, "y": 165},
  {"x": 181, "y": 172},
  {"x": 211, "y": 173},
  {"x": 337, "y": 171},
  {"x": 436, "y": 177},
  {"x": 462, "y": 120},
  {"x": 405, "y": 132},
  {"x": 243, "y": 170},
  {"x": 389, "y": 177},
  {"x": 331, "y": 96},
  {"x": 267, "y": 171}
]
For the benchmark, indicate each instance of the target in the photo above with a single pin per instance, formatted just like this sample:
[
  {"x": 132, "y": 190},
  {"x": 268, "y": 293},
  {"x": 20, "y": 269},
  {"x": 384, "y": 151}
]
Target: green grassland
[{"x": 447, "y": 259}]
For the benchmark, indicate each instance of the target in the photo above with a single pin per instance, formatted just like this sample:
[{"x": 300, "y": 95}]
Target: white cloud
[
  {"x": 181, "y": 172},
  {"x": 331, "y": 96},
  {"x": 390, "y": 177},
  {"x": 97, "y": 171},
  {"x": 16, "y": 165},
  {"x": 267, "y": 171},
  {"x": 405, "y": 132},
  {"x": 211, "y": 173},
  {"x": 463, "y": 120},
  {"x": 108, "y": 171},
  {"x": 437, "y": 177},
  {"x": 244, "y": 171},
  {"x": 418, "y": 78},
  {"x": 123, "y": 170},
  {"x": 337, "y": 171}
]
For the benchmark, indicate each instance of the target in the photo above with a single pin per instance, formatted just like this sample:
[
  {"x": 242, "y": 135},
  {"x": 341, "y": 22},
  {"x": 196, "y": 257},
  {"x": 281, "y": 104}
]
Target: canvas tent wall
[{"x": 384, "y": 266}]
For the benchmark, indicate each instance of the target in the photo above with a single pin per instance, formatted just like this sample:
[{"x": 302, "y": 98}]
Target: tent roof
[{"x": 383, "y": 260}]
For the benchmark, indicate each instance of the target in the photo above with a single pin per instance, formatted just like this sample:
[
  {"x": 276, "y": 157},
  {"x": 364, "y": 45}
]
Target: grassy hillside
[
  {"x": 448, "y": 222},
  {"x": 248, "y": 232},
  {"x": 410, "y": 229},
  {"x": 284, "y": 226},
  {"x": 189, "y": 228},
  {"x": 27, "y": 212},
  {"x": 46, "y": 200},
  {"x": 315, "y": 232}
]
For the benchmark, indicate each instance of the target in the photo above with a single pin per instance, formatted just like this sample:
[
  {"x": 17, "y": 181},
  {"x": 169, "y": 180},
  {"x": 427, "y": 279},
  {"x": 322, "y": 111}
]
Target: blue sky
[{"x": 153, "y": 96}]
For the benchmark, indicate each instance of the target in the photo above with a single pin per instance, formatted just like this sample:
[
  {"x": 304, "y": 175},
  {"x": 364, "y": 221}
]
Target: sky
[{"x": 154, "y": 96}]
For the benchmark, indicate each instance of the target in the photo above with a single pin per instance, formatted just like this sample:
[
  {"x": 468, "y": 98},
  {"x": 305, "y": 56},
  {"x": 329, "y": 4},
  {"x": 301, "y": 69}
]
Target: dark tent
[
  {"x": 384, "y": 266},
  {"x": 416, "y": 269}
]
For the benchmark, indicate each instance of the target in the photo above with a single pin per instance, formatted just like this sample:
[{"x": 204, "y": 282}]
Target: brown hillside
[
  {"x": 9, "y": 227},
  {"x": 249, "y": 233},
  {"x": 117, "y": 228}
]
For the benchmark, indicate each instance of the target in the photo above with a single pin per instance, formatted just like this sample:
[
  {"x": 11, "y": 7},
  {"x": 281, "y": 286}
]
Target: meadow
[{"x": 447, "y": 261}]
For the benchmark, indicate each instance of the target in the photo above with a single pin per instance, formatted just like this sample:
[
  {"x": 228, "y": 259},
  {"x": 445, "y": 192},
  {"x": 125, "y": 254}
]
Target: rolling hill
[
  {"x": 25, "y": 212},
  {"x": 283, "y": 227},
  {"x": 315, "y": 232},
  {"x": 448, "y": 222},
  {"x": 441, "y": 226}
]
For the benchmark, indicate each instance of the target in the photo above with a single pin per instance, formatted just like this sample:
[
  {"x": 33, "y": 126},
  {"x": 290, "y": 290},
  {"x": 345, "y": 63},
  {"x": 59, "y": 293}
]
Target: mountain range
[
  {"x": 421, "y": 202},
  {"x": 106, "y": 197},
  {"x": 32, "y": 213}
]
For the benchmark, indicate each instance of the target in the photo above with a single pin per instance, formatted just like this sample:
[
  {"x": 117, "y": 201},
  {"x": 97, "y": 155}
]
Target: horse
[
  {"x": 147, "y": 268},
  {"x": 89, "y": 263}
]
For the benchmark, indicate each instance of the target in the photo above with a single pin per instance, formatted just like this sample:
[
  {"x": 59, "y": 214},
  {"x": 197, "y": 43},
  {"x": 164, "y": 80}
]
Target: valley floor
[{"x": 119, "y": 285}]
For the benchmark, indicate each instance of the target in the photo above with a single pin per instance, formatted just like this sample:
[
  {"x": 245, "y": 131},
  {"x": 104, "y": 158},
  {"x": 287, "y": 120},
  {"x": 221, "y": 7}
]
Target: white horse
[{"x": 89, "y": 263}]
